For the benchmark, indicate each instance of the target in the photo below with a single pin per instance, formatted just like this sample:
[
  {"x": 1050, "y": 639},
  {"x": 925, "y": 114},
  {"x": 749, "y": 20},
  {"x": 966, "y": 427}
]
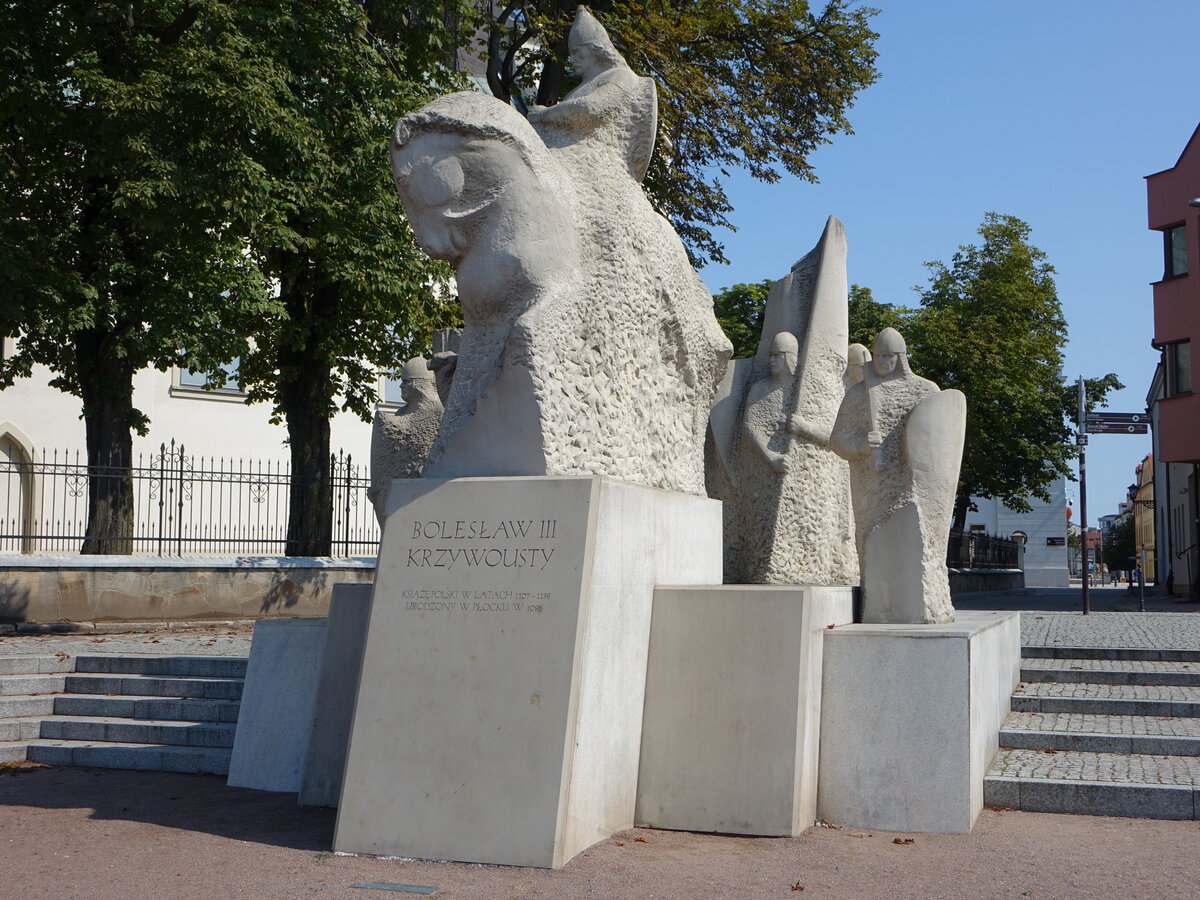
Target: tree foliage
[
  {"x": 1120, "y": 549},
  {"x": 125, "y": 209},
  {"x": 869, "y": 316},
  {"x": 991, "y": 325},
  {"x": 739, "y": 310},
  {"x": 752, "y": 84},
  {"x": 188, "y": 181}
]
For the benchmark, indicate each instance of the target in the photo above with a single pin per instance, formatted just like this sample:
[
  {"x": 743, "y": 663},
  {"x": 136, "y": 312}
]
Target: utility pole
[{"x": 1081, "y": 440}]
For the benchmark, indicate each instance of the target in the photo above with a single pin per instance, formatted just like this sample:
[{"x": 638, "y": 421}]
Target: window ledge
[{"x": 220, "y": 395}]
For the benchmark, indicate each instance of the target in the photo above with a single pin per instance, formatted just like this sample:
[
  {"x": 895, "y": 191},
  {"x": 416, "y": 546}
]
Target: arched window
[{"x": 17, "y": 492}]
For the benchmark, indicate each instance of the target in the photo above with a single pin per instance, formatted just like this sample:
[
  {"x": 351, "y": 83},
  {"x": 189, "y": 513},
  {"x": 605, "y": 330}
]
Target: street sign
[
  {"x": 1081, "y": 440},
  {"x": 1111, "y": 418},
  {"x": 1116, "y": 428}
]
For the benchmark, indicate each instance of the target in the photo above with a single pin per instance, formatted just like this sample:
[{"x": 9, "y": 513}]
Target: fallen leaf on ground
[
  {"x": 619, "y": 843},
  {"x": 642, "y": 840},
  {"x": 903, "y": 841},
  {"x": 798, "y": 886}
]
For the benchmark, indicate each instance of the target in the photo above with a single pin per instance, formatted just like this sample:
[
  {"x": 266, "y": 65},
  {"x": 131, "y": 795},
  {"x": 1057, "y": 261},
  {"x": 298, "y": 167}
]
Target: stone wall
[
  {"x": 966, "y": 581},
  {"x": 47, "y": 589}
]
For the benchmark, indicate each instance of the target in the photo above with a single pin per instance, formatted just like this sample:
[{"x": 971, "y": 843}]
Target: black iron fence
[
  {"x": 977, "y": 550},
  {"x": 183, "y": 505}
]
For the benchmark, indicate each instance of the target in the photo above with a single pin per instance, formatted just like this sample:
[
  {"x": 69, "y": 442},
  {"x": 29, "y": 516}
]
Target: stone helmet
[
  {"x": 417, "y": 369},
  {"x": 891, "y": 343}
]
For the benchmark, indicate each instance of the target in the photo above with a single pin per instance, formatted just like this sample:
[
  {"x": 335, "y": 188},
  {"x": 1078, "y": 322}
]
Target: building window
[
  {"x": 1175, "y": 252},
  {"x": 190, "y": 380},
  {"x": 1178, "y": 368}
]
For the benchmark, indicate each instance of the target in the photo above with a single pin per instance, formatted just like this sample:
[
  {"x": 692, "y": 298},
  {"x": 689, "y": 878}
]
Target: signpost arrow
[
  {"x": 1116, "y": 428},
  {"x": 1115, "y": 418}
]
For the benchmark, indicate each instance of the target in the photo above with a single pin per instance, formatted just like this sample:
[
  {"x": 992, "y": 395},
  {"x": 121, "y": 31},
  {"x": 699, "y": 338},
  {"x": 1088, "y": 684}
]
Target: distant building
[
  {"x": 1173, "y": 206},
  {"x": 1043, "y": 530},
  {"x": 1143, "y": 517}
]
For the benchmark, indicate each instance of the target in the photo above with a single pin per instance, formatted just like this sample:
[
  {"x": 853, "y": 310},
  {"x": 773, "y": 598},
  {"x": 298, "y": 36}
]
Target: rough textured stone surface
[
  {"x": 401, "y": 438},
  {"x": 787, "y": 497},
  {"x": 903, "y": 439},
  {"x": 590, "y": 345}
]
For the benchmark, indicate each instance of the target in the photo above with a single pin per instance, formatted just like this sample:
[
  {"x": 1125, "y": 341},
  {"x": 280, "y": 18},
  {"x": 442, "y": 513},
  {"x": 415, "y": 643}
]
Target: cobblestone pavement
[
  {"x": 1157, "y": 630},
  {"x": 1084, "y": 723},
  {"x": 1147, "y": 666},
  {"x": 1097, "y": 767},
  {"x": 1084, "y": 690},
  {"x": 191, "y": 640}
]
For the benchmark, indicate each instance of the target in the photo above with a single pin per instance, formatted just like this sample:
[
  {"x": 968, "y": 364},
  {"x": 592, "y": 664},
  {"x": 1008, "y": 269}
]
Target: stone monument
[
  {"x": 401, "y": 438},
  {"x": 589, "y": 345},
  {"x": 499, "y": 710},
  {"x": 787, "y": 498},
  {"x": 903, "y": 439}
]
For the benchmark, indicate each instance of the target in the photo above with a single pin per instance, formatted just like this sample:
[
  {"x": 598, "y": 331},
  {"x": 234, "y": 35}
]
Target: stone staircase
[
  {"x": 151, "y": 713},
  {"x": 1108, "y": 732}
]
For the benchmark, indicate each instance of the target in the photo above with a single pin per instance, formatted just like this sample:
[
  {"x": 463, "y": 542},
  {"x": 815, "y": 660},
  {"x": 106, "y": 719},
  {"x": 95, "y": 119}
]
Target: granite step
[
  {"x": 27, "y": 705},
  {"x": 141, "y": 707},
  {"x": 36, "y": 665},
  {"x": 176, "y": 666},
  {"x": 125, "y": 755},
  {"x": 13, "y": 751},
  {"x": 1162, "y": 736},
  {"x": 154, "y": 685},
  {"x": 1109, "y": 671},
  {"x": 1099, "y": 784},
  {"x": 24, "y": 685},
  {"x": 138, "y": 731},
  {"x": 1108, "y": 699},
  {"x": 1141, "y": 653},
  {"x": 20, "y": 728}
]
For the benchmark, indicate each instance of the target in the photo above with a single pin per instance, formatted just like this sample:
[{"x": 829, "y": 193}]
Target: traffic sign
[
  {"x": 1116, "y": 428},
  {"x": 1114, "y": 418},
  {"x": 1081, "y": 440}
]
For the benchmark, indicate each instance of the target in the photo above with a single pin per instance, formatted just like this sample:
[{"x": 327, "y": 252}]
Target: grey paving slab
[
  {"x": 1108, "y": 768},
  {"x": 1102, "y": 733},
  {"x": 22, "y": 728},
  {"x": 181, "y": 666},
  {"x": 207, "y": 640},
  {"x": 142, "y": 707},
  {"x": 12, "y": 751},
  {"x": 1103, "y": 671},
  {"x": 1157, "y": 630},
  {"x": 24, "y": 685},
  {"x": 1091, "y": 798},
  {"x": 142, "y": 757},
  {"x": 157, "y": 686},
  {"x": 141, "y": 731},
  {"x": 35, "y": 705}
]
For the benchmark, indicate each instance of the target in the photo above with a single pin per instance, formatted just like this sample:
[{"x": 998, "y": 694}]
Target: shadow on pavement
[{"x": 203, "y": 803}]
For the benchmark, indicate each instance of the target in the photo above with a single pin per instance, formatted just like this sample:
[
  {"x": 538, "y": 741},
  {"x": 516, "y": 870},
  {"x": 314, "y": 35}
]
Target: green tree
[
  {"x": 990, "y": 324},
  {"x": 356, "y": 292},
  {"x": 869, "y": 316},
  {"x": 1119, "y": 546},
  {"x": 195, "y": 180},
  {"x": 125, "y": 210},
  {"x": 754, "y": 84},
  {"x": 739, "y": 310}
]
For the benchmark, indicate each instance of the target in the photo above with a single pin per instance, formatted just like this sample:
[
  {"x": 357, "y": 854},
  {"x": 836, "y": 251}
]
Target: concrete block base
[
  {"x": 733, "y": 707},
  {"x": 910, "y": 720},
  {"x": 276, "y": 716},
  {"x": 337, "y": 688},
  {"x": 499, "y": 710}
]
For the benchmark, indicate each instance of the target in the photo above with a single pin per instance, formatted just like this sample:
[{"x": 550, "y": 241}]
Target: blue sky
[{"x": 1049, "y": 110}]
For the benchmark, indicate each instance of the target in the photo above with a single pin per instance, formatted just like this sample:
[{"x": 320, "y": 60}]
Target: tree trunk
[
  {"x": 961, "y": 502},
  {"x": 304, "y": 397},
  {"x": 106, "y": 386}
]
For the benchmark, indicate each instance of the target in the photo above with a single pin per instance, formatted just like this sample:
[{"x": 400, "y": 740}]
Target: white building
[{"x": 1043, "y": 530}]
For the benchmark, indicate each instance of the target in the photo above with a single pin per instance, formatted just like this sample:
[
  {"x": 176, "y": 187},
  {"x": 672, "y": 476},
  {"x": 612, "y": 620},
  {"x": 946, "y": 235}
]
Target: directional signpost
[{"x": 1098, "y": 423}]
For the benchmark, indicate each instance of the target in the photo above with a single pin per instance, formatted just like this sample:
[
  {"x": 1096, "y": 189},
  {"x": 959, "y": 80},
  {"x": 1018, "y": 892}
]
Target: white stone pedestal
[
  {"x": 910, "y": 720},
  {"x": 499, "y": 711},
  {"x": 733, "y": 707},
  {"x": 276, "y": 716}
]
